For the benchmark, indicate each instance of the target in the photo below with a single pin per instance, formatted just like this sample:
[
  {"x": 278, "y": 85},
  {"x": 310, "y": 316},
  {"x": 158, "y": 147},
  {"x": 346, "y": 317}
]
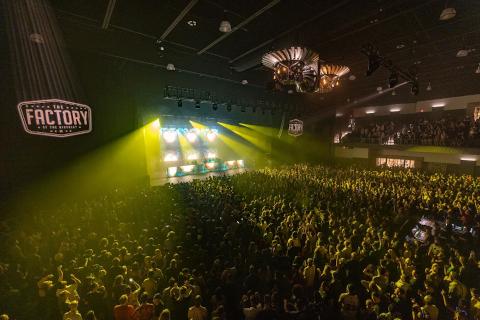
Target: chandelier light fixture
[
  {"x": 299, "y": 69},
  {"x": 294, "y": 68},
  {"x": 329, "y": 76}
]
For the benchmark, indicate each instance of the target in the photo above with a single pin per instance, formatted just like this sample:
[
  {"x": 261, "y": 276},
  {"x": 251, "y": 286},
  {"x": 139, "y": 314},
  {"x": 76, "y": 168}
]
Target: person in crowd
[
  {"x": 123, "y": 310},
  {"x": 72, "y": 313},
  {"x": 197, "y": 311}
]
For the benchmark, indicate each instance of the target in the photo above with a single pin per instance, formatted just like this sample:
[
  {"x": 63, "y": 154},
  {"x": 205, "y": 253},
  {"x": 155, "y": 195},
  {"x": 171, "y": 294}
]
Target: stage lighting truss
[
  {"x": 376, "y": 60},
  {"x": 170, "y": 135}
]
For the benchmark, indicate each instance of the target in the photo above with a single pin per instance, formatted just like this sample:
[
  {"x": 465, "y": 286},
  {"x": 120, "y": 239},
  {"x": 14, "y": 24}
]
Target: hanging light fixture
[
  {"x": 447, "y": 13},
  {"x": 477, "y": 71},
  {"x": 225, "y": 26},
  {"x": 429, "y": 87},
  {"x": 330, "y": 75},
  {"x": 170, "y": 67},
  {"x": 294, "y": 68}
]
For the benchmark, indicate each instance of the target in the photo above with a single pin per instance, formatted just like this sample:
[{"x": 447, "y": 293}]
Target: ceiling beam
[
  {"x": 108, "y": 13},
  {"x": 298, "y": 26},
  {"x": 178, "y": 19},
  {"x": 240, "y": 25}
]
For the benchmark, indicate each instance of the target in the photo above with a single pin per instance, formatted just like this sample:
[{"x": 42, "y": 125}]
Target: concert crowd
[
  {"x": 447, "y": 131},
  {"x": 298, "y": 242}
]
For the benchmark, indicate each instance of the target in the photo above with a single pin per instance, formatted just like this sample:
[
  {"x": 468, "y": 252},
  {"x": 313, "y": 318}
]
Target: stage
[{"x": 165, "y": 180}]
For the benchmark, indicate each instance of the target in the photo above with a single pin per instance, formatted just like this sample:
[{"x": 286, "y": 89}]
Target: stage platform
[{"x": 164, "y": 180}]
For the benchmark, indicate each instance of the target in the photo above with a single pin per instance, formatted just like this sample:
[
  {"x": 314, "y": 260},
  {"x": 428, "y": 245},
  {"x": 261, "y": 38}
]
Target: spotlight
[
  {"x": 211, "y": 136},
  {"x": 211, "y": 155},
  {"x": 172, "y": 171},
  {"x": 393, "y": 80},
  {"x": 192, "y": 156},
  {"x": 197, "y": 104},
  {"x": 170, "y": 157},
  {"x": 229, "y": 107},
  {"x": 231, "y": 163},
  {"x": 159, "y": 46},
  {"x": 191, "y": 136},
  {"x": 188, "y": 168},
  {"x": 170, "y": 136},
  {"x": 214, "y": 106},
  {"x": 179, "y": 103},
  {"x": 415, "y": 89}
]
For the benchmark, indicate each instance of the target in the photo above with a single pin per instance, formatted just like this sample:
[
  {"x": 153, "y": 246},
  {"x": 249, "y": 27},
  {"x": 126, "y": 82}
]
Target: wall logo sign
[
  {"x": 55, "y": 118},
  {"x": 295, "y": 127}
]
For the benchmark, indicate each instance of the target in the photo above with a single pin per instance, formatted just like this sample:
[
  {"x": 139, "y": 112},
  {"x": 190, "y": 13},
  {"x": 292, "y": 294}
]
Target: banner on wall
[
  {"x": 295, "y": 127},
  {"x": 55, "y": 118}
]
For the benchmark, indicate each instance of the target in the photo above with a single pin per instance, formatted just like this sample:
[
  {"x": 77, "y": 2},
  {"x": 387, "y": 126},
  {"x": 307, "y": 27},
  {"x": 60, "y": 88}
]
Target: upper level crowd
[
  {"x": 290, "y": 243},
  {"x": 447, "y": 131}
]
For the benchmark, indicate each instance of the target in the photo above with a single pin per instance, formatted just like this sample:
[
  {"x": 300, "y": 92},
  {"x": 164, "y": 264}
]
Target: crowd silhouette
[{"x": 298, "y": 242}]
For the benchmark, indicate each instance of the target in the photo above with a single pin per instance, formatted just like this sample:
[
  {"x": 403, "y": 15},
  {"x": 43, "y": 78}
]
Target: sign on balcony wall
[
  {"x": 55, "y": 118},
  {"x": 295, "y": 127}
]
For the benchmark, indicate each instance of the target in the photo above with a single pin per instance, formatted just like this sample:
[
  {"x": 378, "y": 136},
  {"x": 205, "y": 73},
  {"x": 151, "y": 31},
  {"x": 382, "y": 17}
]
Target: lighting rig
[
  {"x": 198, "y": 97},
  {"x": 376, "y": 60}
]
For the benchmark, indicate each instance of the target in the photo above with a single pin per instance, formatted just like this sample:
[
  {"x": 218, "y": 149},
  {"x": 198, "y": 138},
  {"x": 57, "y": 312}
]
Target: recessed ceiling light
[
  {"x": 395, "y": 110},
  {"x": 225, "y": 26},
  {"x": 37, "y": 38},
  {"x": 379, "y": 89},
  {"x": 352, "y": 77},
  {"x": 463, "y": 53},
  {"x": 244, "y": 81},
  {"x": 370, "y": 111},
  {"x": 170, "y": 67},
  {"x": 192, "y": 23},
  {"x": 400, "y": 46},
  {"x": 447, "y": 14}
]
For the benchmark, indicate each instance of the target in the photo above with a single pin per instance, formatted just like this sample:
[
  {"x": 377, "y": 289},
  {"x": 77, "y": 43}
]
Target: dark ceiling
[{"x": 407, "y": 31}]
